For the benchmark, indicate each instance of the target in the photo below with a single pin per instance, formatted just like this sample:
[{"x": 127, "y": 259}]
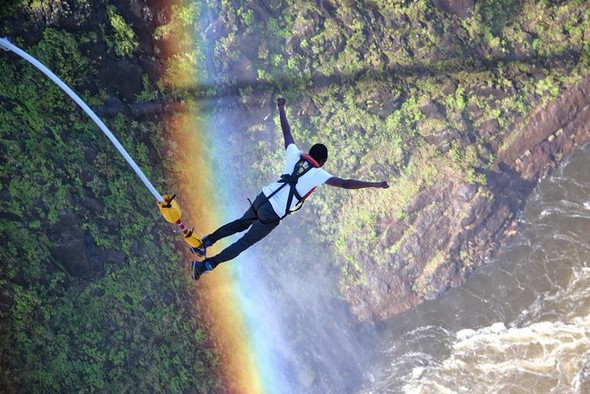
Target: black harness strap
[{"x": 291, "y": 180}]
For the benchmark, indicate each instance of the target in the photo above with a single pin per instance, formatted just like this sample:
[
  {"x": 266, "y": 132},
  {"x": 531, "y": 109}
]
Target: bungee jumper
[
  {"x": 302, "y": 173},
  {"x": 167, "y": 205}
]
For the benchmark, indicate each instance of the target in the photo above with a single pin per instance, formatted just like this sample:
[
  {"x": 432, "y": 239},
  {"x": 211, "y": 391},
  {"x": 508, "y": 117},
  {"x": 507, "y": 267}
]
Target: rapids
[{"x": 520, "y": 324}]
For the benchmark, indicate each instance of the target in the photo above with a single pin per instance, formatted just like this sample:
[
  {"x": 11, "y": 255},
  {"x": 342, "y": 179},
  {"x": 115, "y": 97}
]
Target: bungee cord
[
  {"x": 7, "y": 45},
  {"x": 167, "y": 205}
]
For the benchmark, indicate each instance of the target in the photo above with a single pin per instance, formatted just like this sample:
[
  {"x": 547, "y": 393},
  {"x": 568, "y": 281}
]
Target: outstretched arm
[
  {"x": 284, "y": 123},
  {"x": 355, "y": 184}
]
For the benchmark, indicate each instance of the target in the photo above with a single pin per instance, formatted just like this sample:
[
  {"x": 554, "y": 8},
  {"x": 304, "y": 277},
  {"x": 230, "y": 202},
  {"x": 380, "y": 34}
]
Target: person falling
[{"x": 302, "y": 173}]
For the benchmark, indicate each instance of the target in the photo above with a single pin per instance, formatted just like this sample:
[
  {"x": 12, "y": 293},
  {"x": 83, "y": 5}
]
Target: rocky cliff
[
  {"x": 462, "y": 106},
  {"x": 384, "y": 56},
  {"x": 469, "y": 223}
]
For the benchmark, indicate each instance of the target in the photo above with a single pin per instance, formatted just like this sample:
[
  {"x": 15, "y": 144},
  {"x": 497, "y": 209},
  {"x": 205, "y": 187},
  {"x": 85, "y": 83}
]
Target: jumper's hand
[
  {"x": 285, "y": 123},
  {"x": 383, "y": 185}
]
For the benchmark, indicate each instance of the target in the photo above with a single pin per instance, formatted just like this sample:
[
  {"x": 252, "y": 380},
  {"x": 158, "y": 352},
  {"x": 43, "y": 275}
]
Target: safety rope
[
  {"x": 7, "y": 45},
  {"x": 167, "y": 205}
]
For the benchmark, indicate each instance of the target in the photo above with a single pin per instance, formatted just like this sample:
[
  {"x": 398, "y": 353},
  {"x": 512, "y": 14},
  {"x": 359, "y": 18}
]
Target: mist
[{"x": 304, "y": 337}]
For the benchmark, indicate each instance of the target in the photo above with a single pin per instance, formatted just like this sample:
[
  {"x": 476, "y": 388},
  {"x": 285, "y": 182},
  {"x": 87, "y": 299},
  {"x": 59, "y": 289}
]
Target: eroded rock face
[
  {"x": 550, "y": 134},
  {"x": 420, "y": 268},
  {"x": 439, "y": 244}
]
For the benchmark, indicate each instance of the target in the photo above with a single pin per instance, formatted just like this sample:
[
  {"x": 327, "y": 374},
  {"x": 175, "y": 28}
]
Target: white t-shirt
[{"x": 312, "y": 178}]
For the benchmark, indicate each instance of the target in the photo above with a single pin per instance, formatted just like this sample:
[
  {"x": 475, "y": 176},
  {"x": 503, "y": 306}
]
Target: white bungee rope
[{"x": 7, "y": 45}]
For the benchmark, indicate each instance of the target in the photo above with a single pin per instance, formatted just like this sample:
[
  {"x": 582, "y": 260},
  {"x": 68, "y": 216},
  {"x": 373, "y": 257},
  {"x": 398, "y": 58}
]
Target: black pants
[{"x": 260, "y": 218}]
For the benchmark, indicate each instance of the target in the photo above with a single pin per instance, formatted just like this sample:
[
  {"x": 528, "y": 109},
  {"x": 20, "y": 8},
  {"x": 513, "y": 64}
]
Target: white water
[{"x": 521, "y": 324}]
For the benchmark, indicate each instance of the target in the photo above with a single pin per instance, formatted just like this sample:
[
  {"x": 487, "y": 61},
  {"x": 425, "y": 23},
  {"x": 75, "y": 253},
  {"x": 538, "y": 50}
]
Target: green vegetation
[
  {"x": 123, "y": 42},
  {"x": 186, "y": 60},
  {"x": 399, "y": 91},
  {"x": 421, "y": 286},
  {"x": 127, "y": 323}
]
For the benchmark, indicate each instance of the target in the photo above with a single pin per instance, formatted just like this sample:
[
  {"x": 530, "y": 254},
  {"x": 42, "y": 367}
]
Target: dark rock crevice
[{"x": 76, "y": 251}]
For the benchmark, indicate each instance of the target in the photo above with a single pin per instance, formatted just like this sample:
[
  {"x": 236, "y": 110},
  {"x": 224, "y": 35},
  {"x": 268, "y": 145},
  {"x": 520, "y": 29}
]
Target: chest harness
[{"x": 305, "y": 163}]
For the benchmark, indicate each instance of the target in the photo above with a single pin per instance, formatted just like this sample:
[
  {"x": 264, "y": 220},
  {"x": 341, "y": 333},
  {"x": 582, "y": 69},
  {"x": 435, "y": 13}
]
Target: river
[{"x": 521, "y": 323}]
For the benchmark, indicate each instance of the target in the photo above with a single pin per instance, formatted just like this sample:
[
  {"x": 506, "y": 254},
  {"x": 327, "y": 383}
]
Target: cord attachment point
[
  {"x": 169, "y": 209},
  {"x": 4, "y": 44}
]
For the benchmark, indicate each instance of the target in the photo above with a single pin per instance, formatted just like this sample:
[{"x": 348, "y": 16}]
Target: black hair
[{"x": 319, "y": 152}]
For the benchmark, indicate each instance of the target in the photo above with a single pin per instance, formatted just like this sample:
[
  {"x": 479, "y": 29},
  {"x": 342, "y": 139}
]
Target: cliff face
[
  {"x": 469, "y": 223},
  {"x": 462, "y": 106},
  {"x": 118, "y": 77},
  {"x": 407, "y": 85},
  {"x": 92, "y": 290}
]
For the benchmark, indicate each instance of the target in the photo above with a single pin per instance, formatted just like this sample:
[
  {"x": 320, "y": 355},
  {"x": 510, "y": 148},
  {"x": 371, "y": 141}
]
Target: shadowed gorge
[{"x": 462, "y": 106}]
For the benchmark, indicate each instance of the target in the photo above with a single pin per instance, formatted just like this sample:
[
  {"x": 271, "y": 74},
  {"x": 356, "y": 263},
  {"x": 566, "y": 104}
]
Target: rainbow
[
  {"x": 247, "y": 363},
  {"x": 218, "y": 294}
]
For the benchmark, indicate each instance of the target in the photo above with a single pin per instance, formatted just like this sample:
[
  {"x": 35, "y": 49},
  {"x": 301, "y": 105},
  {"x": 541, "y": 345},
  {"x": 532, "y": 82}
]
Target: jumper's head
[{"x": 320, "y": 153}]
